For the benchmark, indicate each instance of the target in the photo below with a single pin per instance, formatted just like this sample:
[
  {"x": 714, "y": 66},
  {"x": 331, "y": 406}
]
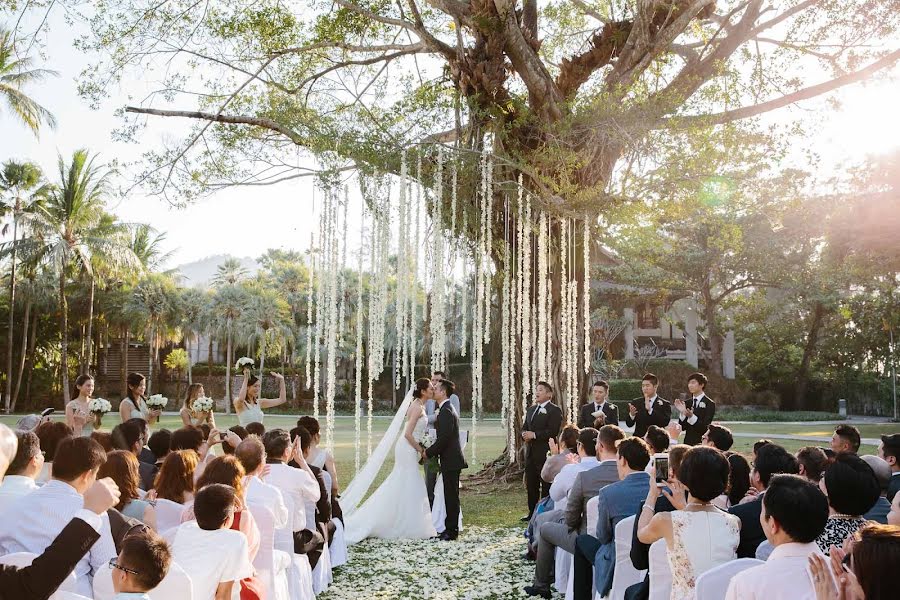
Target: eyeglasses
[{"x": 113, "y": 564}]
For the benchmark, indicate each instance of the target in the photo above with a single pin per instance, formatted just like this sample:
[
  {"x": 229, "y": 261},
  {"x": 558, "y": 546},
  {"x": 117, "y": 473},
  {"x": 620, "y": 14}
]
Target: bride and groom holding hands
[{"x": 399, "y": 508}]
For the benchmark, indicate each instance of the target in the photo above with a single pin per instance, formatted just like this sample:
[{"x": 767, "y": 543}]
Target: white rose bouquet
[
  {"x": 157, "y": 402},
  {"x": 203, "y": 404},
  {"x": 426, "y": 441},
  {"x": 245, "y": 362},
  {"x": 99, "y": 406}
]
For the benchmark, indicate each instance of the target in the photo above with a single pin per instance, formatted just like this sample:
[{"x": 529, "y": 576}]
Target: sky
[{"x": 247, "y": 221}]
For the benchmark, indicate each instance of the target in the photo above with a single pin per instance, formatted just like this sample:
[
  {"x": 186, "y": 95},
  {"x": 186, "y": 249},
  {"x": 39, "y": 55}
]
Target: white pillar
[
  {"x": 629, "y": 334},
  {"x": 690, "y": 336},
  {"x": 728, "y": 355}
]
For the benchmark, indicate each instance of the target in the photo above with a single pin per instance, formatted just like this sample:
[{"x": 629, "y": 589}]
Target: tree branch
[{"x": 219, "y": 118}]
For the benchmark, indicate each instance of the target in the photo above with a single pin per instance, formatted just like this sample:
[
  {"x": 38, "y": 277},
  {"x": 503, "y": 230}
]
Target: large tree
[{"x": 17, "y": 72}]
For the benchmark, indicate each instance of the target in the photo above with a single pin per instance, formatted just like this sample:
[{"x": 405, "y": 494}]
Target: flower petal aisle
[{"x": 483, "y": 563}]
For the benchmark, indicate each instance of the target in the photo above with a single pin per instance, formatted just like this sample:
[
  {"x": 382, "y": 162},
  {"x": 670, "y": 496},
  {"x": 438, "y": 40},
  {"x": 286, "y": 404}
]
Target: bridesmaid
[
  {"x": 133, "y": 406},
  {"x": 78, "y": 415},
  {"x": 191, "y": 417},
  {"x": 248, "y": 405}
]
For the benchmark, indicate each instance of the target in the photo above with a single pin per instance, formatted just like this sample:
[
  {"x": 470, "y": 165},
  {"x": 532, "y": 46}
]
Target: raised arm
[
  {"x": 241, "y": 398},
  {"x": 331, "y": 467},
  {"x": 282, "y": 393}
]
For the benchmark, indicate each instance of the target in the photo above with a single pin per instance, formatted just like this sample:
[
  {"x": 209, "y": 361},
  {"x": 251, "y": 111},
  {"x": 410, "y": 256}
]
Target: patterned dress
[
  {"x": 703, "y": 539},
  {"x": 836, "y": 531}
]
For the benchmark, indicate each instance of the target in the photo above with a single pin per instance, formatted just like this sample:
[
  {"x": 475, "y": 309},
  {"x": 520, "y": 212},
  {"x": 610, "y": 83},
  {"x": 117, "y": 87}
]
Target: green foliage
[{"x": 176, "y": 360}]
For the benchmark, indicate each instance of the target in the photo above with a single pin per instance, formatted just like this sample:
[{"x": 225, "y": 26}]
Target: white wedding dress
[{"x": 399, "y": 507}]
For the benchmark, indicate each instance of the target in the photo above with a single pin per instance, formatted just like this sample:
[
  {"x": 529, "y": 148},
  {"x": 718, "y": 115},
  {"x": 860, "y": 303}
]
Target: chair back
[
  {"x": 176, "y": 584},
  {"x": 713, "y": 584},
  {"x": 591, "y": 515},
  {"x": 625, "y": 574},
  {"x": 326, "y": 478},
  {"x": 284, "y": 537},
  {"x": 269, "y": 573},
  {"x": 660, "y": 572},
  {"x": 168, "y": 514},
  {"x": 24, "y": 559},
  {"x": 60, "y": 595}
]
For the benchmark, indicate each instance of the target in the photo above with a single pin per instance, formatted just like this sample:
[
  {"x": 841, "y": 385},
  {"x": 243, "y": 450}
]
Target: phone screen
[
  {"x": 662, "y": 468},
  {"x": 48, "y": 411}
]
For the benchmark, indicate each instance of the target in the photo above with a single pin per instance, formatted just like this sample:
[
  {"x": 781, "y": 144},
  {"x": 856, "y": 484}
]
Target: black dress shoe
[
  {"x": 525, "y": 519},
  {"x": 533, "y": 591},
  {"x": 445, "y": 537}
]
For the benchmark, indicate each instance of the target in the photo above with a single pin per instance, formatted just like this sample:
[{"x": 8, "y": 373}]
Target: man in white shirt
[
  {"x": 889, "y": 450},
  {"x": 215, "y": 556},
  {"x": 297, "y": 485},
  {"x": 23, "y": 470},
  {"x": 252, "y": 455},
  {"x": 794, "y": 513},
  {"x": 33, "y": 521}
]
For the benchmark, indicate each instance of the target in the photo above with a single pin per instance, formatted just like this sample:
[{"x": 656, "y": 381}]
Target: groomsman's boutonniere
[
  {"x": 659, "y": 402},
  {"x": 700, "y": 404},
  {"x": 542, "y": 410}
]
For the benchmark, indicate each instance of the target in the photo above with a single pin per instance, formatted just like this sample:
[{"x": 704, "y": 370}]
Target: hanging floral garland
[
  {"x": 400, "y": 316},
  {"x": 333, "y": 321},
  {"x": 309, "y": 309},
  {"x": 357, "y": 403},
  {"x": 464, "y": 291},
  {"x": 321, "y": 315},
  {"x": 586, "y": 294},
  {"x": 438, "y": 323},
  {"x": 542, "y": 316}
]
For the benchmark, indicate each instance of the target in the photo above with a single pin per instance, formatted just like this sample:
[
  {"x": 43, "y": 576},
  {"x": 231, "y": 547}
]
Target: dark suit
[
  {"x": 50, "y": 569},
  {"x": 752, "y": 534},
  {"x": 893, "y": 486},
  {"x": 661, "y": 415},
  {"x": 693, "y": 434},
  {"x": 545, "y": 425},
  {"x": 610, "y": 411},
  {"x": 448, "y": 450},
  {"x": 640, "y": 553}
]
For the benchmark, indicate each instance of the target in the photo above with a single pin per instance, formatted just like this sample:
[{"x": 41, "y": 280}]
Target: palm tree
[
  {"x": 227, "y": 306},
  {"x": 266, "y": 311},
  {"x": 64, "y": 233},
  {"x": 16, "y": 73},
  {"x": 229, "y": 272},
  {"x": 17, "y": 180},
  {"x": 147, "y": 246},
  {"x": 193, "y": 303},
  {"x": 39, "y": 299},
  {"x": 154, "y": 296}
]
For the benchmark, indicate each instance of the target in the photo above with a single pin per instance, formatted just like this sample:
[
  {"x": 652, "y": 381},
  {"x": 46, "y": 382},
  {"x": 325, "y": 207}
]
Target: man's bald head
[
  {"x": 8, "y": 445},
  {"x": 251, "y": 453}
]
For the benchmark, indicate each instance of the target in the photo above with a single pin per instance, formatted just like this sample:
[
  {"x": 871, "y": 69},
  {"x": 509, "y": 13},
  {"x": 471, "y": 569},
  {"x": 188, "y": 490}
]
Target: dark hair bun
[{"x": 422, "y": 384}]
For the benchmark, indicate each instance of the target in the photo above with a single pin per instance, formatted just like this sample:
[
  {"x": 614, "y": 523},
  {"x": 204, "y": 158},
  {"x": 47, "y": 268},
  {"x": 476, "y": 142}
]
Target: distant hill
[{"x": 200, "y": 273}]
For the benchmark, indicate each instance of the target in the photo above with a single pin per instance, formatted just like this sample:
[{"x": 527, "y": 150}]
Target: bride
[{"x": 398, "y": 509}]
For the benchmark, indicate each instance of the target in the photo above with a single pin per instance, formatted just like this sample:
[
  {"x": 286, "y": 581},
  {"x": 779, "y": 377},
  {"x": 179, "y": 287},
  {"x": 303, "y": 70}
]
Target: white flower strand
[
  {"x": 309, "y": 309},
  {"x": 324, "y": 240},
  {"x": 402, "y": 263},
  {"x": 357, "y": 404},
  {"x": 542, "y": 299},
  {"x": 464, "y": 290},
  {"x": 333, "y": 324},
  {"x": 525, "y": 301},
  {"x": 586, "y": 294},
  {"x": 438, "y": 324}
]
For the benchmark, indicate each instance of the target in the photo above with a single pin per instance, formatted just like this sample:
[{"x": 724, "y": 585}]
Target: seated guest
[
  {"x": 757, "y": 445},
  {"x": 882, "y": 470},
  {"x": 33, "y": 521},
  {"x": 794, "y": 513},
  {"x": 845, "y": 439},
  {"x": 872, "y": 566},
  {"x": 104, "y": 439},
  {"x": 187, "y": 438},
  {"x": 252, "y": 455},
  {"x": 159, "y": 443},
  {"x": 145, "y": 455},
  {"x": 256, "y": 428},
  {"x": 852, "y": 490},
  {"x": 813, "y": 461},
  {"x": 318, "y": 513},
  {"x": 738, "y": 489},
  {"x": 122, "y": 467},
  {"x": 771, "y": 459},
  {"x": 298, "y": 485},
  {"x": 698, "y": 536},
  {"x": 319, "y": 457},
  {"x": 239, "y": 431},
  {"x": 141, "y": 565},
  {"x": 560, "y": 452},
  {"x": 547, "y": 540},
  {"x": 615, "y": 502},
  {"x": 889, "y": 450},
  {"x": 175, "y": 480},
  {"x": 718, "y": 437},
  {"x": 48, "y": 570},
  {"x": 215, "y": 557},
  {"x": 658, "y": 439},
  {"x": 129, "y": 436},
  {"x": 26, "y": 465},
  {"x": 599, "y": 405},
  {"x": 51, "y": 434}
]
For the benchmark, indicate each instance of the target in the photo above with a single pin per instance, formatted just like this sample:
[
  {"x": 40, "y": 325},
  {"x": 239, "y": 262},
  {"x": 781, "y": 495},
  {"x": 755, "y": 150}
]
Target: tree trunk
[
  {"x": 712, "y": 328},
  {"x": 123, "y": 363},
  {"x": 31, "y": 345},
  {"x": 64, "y": 337},
  {"x": 812, "y": 338},
  {"x": 88, "y": 352},
  {"x": 228, "y": 371},
  {"x": 12, "y": 313},
  {"x": 209, "y": 356},
  {"x": 150, "y": 356},
  {"x": 262, "y": 357},
  {"x": 187, "y": 342},
  {"x": 25, "y": 321}
]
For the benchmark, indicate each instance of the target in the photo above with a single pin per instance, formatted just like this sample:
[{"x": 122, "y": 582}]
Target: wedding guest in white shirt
[
  {"x": 215, "y": 556},
  {"x": 298, "y": 485},
  {"x": 252, "y": 454},
  {"x": 587, "y": 459},
  {"x": 794, "y": 512},
  {"x": 141, "y": 565},
  {"x": 33, "y": 521},
  {"x": 23, "y": 470}
]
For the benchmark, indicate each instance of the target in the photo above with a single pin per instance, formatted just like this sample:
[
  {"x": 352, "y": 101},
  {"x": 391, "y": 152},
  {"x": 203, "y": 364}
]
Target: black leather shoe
[
  {"x": 445, "y": 537},
  {"x": 533, "y": 591},
  {"x": 525, "y": 519}
]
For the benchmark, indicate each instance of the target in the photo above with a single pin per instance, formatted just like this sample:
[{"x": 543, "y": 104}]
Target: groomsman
[
  {"x": 600, "y": 391},
  {"x": 649, "y": 410},
  {"x": 697, "y": 413},
  {"x": 432, "y": 413},
  {"x": 543, "y": 421}
]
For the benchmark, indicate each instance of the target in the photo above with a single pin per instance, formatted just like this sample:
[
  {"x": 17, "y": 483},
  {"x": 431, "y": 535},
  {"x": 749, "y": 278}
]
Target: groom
[{"x": 447, "y": 448}]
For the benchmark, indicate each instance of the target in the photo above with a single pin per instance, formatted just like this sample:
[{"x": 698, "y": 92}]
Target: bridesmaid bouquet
[
  {"x": 203, "y": 404},
  {"x": 157, "y": 402},
  {"x": 99, "y": 406},
  {"x": 243, "y": 362}
]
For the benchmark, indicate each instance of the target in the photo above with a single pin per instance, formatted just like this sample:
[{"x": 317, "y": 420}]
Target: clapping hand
[
  {"x": 632, "y": 410},
  {"x": 276, "y": 375},
  {"x": 101, "y": 496},
  {"x": 554, "y": 447},
  {"x": 677, "y": 497}
]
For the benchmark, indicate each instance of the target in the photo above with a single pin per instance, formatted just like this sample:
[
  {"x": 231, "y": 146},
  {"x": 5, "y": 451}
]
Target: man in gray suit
[
  {"x": 431, "y": 413},
  {"x": 587, "y": 484}
]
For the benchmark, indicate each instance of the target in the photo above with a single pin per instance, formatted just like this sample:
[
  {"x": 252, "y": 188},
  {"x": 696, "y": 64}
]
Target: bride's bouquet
[
  {"x": 244, "y": 362},
  {"x": 203, "y": 404},
  {"x": 426, "y": 441},
  {"x": 157, "y": 402},
  {"x": 99, "y": 407}
]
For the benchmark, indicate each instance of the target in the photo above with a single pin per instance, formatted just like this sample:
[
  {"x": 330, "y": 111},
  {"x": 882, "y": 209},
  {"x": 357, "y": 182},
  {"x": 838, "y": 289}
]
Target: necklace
[{"x": 698, "y": 504}]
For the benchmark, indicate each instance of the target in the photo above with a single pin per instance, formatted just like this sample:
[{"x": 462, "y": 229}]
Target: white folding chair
[
  {"x": 68, "y": 596},
  {"x": 168, "y": 514},
  {"x": 660, "y": 572},
  {"x": 271, "y": 565},
  {"x": 625, "y": 574},
  {"x": 24, "y": 559},
  {"x": 337, "y": 547},
  {"x": 591, "y": 517},
  {"x": 713, "y": 584},
  {"x": 299, "y": 573},
  {"x": 562, "y": 564},
  {"x": 176, "y": 584},
  {"x": 322, "y": 575}
]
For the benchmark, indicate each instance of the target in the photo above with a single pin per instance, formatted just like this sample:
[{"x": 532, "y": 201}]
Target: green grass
[{"x": 771, "y": 416}]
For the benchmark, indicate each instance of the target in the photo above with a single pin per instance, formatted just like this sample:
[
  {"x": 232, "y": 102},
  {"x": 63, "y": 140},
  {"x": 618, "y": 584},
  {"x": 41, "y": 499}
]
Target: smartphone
[
  {"x": 661, "y": 463},
  {"x": 48, "y": 411}
]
